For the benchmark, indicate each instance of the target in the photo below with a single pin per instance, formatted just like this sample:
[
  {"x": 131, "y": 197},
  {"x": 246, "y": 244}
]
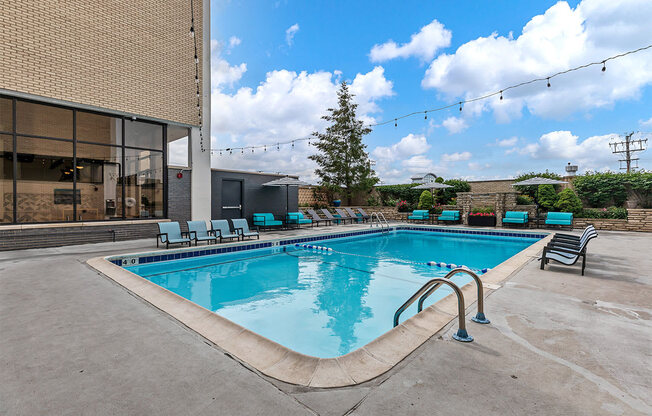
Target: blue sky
[{"x": 276, "y": 65}]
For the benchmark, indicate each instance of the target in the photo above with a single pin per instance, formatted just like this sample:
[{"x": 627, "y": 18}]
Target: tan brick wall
[
  {"x": 499, "y": 185},
  {"x": 129, "y": 56}
]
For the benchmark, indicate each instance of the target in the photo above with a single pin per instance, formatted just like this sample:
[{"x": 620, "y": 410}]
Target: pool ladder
[
  {"x": 433, "y": 284},
  {"x": 384, "y": 225}
]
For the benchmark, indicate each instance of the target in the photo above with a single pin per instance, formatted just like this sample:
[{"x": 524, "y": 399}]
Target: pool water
[{"x": 327, "y": 304}]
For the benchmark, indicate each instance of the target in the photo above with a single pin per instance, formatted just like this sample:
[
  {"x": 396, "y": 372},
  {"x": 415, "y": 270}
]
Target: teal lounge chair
[
  {"x": 241, "y": 227},
  {"x": 452, "y": 216},
  {"x": 419, "y": 215},
  {"x": 170, "y": 233},
  {"x": 267, "y": 220},
  {"x": 516, "y": 217},
  {"x": 560, "y": 218},
  {"x": 198, "y": 232},
  {"x": 220, "y": 229},
  {"x": 297, "y": 218}
]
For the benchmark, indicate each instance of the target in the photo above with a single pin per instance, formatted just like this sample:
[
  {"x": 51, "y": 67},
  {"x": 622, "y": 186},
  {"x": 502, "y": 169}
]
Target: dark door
[{"x": 231, "y": 199}]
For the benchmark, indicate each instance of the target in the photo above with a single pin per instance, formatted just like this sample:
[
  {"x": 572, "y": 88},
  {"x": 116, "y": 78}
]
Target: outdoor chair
[
  {"x": 450, "y": 216},
  {"x": 316, "y": 219},
  {"x": 266, "y": 221},
  {"x": 364, "y": 214},
  {"x": 560, "y": 218},
  {"x": 241, "y": 227},
  {"x": 296, "y": 218},
  {"x": 563, "y": 240},
  {"x": 345, "y": 216},
  {"x": 563, "y": 254},
  {"x": 170, "y": 233},
  {"x": 516, "y": 217},
  {"x": 360, "y": 216},
  {"x": 221, "y": 229},
  {"x": 198, "y": 232},
  {"x": 421, "y": 215},
  {"x": 330, "y": 216}
]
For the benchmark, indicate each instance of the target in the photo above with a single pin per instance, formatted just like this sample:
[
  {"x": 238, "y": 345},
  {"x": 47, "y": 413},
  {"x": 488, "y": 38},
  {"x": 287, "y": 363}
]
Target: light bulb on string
[
  {"x": 252, "y": 150},
  {"x": 196, "y": 79},
  {"x": 395, "y": 123},
  {"x": 548, "y": 82},
  {"x": 501, "y": 95},
  {"x": 425, "y": 117},
  {"x": 192, "y": 31},
  {"x": 265, "y": 148},
  {"x": 604, "y": 66},
  {"x": 293, "y": 144},
  {"x": 196, "y": 59},
  {"x": 278, "y": 148},
  {"x": 460, "y": 106}
]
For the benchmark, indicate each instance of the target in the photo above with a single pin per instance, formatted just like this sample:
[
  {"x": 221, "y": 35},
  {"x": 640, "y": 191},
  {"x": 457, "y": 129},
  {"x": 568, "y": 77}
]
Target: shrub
[
  {"x": 447, "y": 195},
  {"x": 402, "y": 206},
  {"x": 601, "y": 189},
  {"x": 439, "y": 179},
  {"x": 524, "y": 200},
  {"x": 482, "y": 210},
  {"x": 372, "y": 201},
  {"x": 546, "y": 197},
  {"x": 400, "y": 193},
  {"x": 609, "y": 213},
  {"x": 531, "y": 190},
  {"x": 568, "y": 201},
  {"x": 426, "y": 200}
]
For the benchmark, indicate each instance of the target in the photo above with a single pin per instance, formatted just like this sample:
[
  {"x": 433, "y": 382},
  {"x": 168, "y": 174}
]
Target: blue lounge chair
[
  {"x": 241, "y": 227},
  {"x": 170, "y": 233},
  {"x": 198, "y": 232},
  {"x": 419, "y": 215},
  {"x": 267, "y": 220},
  {"x": 297, "y": 218},
  {"x": 516, "y": 217},
  {"x": 220, "y": 229},
  {"x": 452, "y": 216},
  {"x": 560, "y": 218}
]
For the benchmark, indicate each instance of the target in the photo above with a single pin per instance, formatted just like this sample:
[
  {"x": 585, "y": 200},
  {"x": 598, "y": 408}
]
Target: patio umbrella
[
  {"x": 432, "y": 186},
  {"x": 287, "y": 182},
  {"x": 537, "y": 180}
]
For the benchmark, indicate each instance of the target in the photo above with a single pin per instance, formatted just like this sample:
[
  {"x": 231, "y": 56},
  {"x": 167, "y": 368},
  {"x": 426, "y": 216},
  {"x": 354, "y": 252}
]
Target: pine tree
[{"x": 342, "y": 158}]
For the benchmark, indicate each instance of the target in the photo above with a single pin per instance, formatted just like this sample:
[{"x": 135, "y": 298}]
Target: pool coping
[{"x": 284, "y": 364}]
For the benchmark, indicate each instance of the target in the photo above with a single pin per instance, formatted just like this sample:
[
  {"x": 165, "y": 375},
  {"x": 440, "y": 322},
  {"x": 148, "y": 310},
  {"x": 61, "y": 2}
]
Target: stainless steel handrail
[
  {"x": 479, "y": 317},
  {"x": 380, "y": 224},
  {"x": 461, "y": 334}
]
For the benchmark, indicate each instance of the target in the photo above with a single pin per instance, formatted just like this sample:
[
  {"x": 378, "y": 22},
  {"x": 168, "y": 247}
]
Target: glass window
[
  {"x": 99, "y": 169},
  {"x": 178, "y": 146},
  {"x": 6, "y": 115},
  {"x": 6, "y": 179},
  {"x": 43, "y": 120},
  {"x": 44, "y": 181},
  {"x": 141, "y": 134},
  {"x": 97, "y": 128},
  {"x": 143, "y": 184}
]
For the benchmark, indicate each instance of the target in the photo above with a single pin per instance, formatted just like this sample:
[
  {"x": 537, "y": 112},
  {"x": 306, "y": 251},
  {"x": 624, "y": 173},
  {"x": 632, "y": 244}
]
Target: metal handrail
[
  {"x": 479, "y": 317},
  {"x": 461, "y": 334},
  {"x": 380, "y": 223}
]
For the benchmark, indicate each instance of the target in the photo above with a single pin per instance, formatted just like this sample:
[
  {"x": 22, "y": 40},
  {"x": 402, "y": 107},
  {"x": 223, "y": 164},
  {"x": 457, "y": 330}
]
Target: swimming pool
[{"x": 327, "y": 303}]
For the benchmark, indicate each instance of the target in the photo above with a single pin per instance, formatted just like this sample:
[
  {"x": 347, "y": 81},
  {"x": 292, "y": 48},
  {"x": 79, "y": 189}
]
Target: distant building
[{"x": 423, "y": 178}]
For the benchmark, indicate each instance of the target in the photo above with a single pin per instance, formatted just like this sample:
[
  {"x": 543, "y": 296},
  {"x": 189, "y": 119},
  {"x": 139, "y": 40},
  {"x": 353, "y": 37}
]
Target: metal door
[{"x": 231, "y": 198}]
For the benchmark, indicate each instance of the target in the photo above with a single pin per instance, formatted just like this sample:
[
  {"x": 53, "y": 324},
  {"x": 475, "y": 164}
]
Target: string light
[
  {"x": 196, "y": 60},
  {"x": 459, "y": 104}
]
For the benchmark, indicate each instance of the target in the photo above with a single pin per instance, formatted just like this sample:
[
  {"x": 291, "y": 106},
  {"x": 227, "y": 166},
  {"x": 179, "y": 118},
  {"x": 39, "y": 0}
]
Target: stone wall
[
  {"x": 498, "y": 185},
  {"x": 637, "y": 220}
]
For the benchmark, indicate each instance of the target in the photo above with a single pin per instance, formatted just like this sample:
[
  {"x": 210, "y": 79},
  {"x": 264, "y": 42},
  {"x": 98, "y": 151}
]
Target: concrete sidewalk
[{"x": 73, "y": 342}]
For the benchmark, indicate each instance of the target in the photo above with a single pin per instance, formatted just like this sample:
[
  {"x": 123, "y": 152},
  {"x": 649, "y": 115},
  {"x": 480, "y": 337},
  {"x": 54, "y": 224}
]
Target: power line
[
  {"x": 458, "y": 104},
  {"x": 627, "y": 149}
]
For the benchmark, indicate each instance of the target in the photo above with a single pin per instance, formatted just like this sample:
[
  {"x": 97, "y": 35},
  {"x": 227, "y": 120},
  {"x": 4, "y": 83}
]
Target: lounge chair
[
  {"x": 198, "y": 232},
  {"x": 564, "y": 242},
  {"x": 573, "y": 237},
  {"x": 363, "y": 217},
  {"x": 563, "y": 254},
  {"x": 316, "y": 219},
  {"x": 241, "y": 227},
  {"x": 422, "y": 215},
  {"x": 516, "y": 217},
  {"x": 170, "y": 233},
  {"x": 267, "y": 220},
  {"x": 560, "y": 218},
  {"x": 330, "y": 216},
  {"x": 346, "y": 216},
  {"x": 451, "y": 216},
  {"x": 364, "y": 214},
  {"x": 221, "y": 229},
  {"x": 296, "y": 218}
]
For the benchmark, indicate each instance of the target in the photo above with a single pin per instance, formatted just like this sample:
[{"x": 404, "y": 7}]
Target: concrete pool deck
[{"x": 74, "y": 342}]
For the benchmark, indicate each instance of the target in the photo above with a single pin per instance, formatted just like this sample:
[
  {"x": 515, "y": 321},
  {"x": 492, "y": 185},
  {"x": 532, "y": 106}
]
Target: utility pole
[{"x": 628, "y": 148}]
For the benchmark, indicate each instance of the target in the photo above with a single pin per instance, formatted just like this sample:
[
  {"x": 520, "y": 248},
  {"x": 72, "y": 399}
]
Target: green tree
[
  {"x": 342, "y": 158},
  {"x": 568, "y": 201},
  {"x": 546, "y": 197},
  {"x": 447, "y": 194},
  {"x": 426, "y": 201},
  {"x": 439, "y": 179}
]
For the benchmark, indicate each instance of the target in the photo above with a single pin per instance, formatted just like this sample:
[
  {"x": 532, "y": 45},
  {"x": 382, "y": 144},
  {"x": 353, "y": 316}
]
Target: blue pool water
[{"x": 326, "y": 304}]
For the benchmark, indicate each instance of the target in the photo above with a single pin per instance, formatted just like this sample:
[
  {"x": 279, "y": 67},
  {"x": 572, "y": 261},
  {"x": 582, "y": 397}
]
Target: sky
[{"x": 276, "y": 67}]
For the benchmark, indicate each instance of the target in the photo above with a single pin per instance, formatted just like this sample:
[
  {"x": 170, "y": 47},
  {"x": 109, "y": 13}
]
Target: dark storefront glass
[
  {"x": 143, "y": 184},
  {"x": 6, "y": 179}
]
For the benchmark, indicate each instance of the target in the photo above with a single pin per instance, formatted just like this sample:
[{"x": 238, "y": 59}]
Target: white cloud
[
  {"x": 418, "y": 163},
  {"x": 559, "y": 39},
  {"x": 456, "y": 157},
  {"x": 410, "y": 145},
  {"x": 423, "y": 45},
  {"x": 455, "y": 124},
  {"x": 222, "y": 73},
  {"x": 478, "y": 166},
  {"x": 286, "y": 105},
  {"x": 234, "y": 41},
  {"x": 646, "y": 123},
  {"x": 507, "y": 142},
  {"x": 290, "y": 32}
]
